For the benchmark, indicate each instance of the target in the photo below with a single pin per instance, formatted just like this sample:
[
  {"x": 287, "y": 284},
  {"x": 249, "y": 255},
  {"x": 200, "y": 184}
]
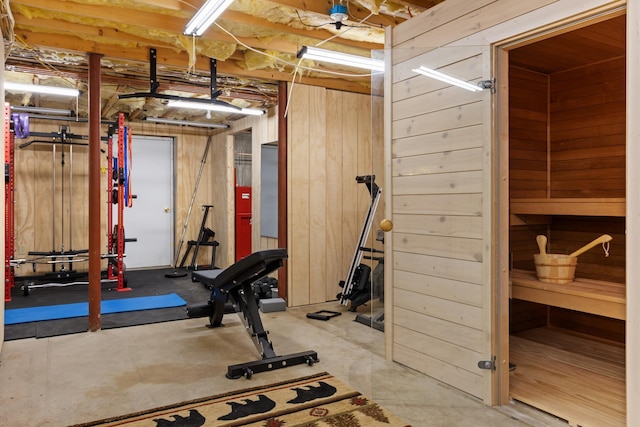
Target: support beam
[{"x": 94, "y": 193}]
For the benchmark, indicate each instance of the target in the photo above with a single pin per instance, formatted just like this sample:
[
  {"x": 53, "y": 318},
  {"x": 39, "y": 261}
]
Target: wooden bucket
[{"x": 557, "y": 268}]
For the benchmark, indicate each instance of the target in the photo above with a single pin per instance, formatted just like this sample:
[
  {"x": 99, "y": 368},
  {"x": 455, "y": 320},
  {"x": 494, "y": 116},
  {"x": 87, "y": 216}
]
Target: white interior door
[{"x": 150, "y": 219}]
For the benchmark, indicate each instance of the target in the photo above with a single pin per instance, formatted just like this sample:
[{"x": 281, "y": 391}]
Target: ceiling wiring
[
  {"x": 7, "y": 25},
  {"x": 291, "y": 64},
  {"x": 367, "y": 17},
  {"x": 21, "y": 42}
]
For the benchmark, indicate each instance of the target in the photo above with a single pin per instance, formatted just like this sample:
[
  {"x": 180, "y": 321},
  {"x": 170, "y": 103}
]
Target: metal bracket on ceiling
[
  {"x": 213, "y": 66},
  {"x": 488, "y": 84},
  {"x": 154, "y": 84},
  {"x": 153, "y": 78}
]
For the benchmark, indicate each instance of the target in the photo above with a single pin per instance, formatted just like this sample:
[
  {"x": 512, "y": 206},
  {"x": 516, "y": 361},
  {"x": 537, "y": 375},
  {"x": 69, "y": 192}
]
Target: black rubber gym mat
[{"x": 141, "y": 282}]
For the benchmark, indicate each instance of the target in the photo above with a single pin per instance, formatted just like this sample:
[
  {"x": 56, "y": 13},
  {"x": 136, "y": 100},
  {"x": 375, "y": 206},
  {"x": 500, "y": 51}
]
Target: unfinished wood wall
[
  {"x": 221, "y": 182},
  {"x": 42, "y": 211},
  {"x": 332, "y": 139},
  {"x": 190, "y": 144},
  {"x": 41, "y": 207},
  {"x": 264, "y": 130},
  {"x": 445, "y": 255}
]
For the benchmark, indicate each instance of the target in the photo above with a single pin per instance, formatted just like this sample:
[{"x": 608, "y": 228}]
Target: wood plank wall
[
  {"x": 588, "y": 122},
  {"x": 332, "y": 139},
  {"x": 190, "y": 144},
  {"x": 264, "y": 130},
  {"x": 437, "y": 178},
  {"x": 528, "y": 137},
  {"x": 582, "y": 155},
  {"x": 586, "y": 139}
]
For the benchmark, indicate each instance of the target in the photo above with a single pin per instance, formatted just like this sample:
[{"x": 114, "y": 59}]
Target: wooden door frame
[
  {"x": 501, "y": 217},
  {"x": 633, "y": 220},
  {"x": 500, "y": 316}
]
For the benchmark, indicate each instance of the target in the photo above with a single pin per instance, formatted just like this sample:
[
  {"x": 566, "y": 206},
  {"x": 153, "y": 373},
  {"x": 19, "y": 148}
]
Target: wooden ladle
[
  {"x": 542, "y": 244},
  {"x": 602, "y": 239}
]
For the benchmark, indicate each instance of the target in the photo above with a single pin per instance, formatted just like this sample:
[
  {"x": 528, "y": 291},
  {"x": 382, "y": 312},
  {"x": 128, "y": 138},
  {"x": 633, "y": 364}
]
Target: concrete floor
[{"x": 77, "y": 378}]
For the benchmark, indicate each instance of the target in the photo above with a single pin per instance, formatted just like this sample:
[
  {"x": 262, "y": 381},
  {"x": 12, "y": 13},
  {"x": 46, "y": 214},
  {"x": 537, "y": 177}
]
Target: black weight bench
[{"x": 235, "y": 282}]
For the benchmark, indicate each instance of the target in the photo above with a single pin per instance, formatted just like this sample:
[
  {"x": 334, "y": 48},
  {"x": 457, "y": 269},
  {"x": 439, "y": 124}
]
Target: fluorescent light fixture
[
  {"x": 429, "y": 72},
  {"x": 42, "y": 110},
  {"x": 208, "y": 13},
  {"x": 186, "y": 123},
  {"x": 49, "y": 90},
  {"x": 215, "y": 107},
  {"x": 309, "y": 52}
]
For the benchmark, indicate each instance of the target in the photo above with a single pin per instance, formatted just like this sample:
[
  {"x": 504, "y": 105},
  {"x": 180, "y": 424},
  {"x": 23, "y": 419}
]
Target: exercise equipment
[
  {"x": 9, "y": 204},
  {"x": 81, "y": 309},
  {"x": 119, "y": 190},
  {"x": 175, "y": 273},
  {"x": 235, "y": 282},
  {"x": 64, "y": 138},
  {"x": 374, "y": 289},
  {"x": 58, "y": 257},
  {"x": 356, "y": 287},
  {"x": 205, "y": 238},
  {"x": 119, "y": 194},
  {"x": 323, "y": 315}
]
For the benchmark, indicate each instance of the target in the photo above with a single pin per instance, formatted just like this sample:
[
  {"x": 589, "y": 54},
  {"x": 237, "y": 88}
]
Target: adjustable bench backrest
[{"x": 250, "y": 269}]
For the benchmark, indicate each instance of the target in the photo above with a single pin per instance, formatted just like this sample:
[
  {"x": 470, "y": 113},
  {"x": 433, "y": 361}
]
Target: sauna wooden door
[{"x": 443, "y": 253}]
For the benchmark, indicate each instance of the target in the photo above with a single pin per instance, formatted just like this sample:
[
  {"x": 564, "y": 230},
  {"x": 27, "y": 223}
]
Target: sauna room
[{"x": 567, "y": 183}]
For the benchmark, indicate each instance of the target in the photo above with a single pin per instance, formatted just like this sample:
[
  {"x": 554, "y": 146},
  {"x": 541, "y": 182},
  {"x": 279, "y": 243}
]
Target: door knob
[{"x": 167, "y": 210}]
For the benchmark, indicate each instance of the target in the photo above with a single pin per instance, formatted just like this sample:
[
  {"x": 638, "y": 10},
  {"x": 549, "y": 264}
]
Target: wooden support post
[{"x": 94, "y": 192}]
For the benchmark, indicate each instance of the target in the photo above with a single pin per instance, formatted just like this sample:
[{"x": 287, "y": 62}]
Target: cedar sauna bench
[{"x": 567, "y": 159}]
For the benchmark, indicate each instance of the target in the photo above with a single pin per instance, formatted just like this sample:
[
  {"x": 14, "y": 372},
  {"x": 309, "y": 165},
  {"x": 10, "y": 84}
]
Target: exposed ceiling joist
[{"x": 255, "y": 49}]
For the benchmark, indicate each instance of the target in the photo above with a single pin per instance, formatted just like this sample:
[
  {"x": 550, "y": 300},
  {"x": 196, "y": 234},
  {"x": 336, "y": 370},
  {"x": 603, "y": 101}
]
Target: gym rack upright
[
  {"x": 9, "y": 204},
  {"x": 119, "y": 194}
]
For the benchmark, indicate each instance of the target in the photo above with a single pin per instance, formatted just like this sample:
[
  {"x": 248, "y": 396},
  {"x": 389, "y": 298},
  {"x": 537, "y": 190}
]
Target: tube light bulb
[
  {"x": 215, "y": 107},
  {"x": 429, "y": 72},
  {"x": 309, "y": 52},
  {"x": 49, "y": 90}
]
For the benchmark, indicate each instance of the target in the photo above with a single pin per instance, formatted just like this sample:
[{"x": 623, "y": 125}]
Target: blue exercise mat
[{"x": 66, "y": 311}]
